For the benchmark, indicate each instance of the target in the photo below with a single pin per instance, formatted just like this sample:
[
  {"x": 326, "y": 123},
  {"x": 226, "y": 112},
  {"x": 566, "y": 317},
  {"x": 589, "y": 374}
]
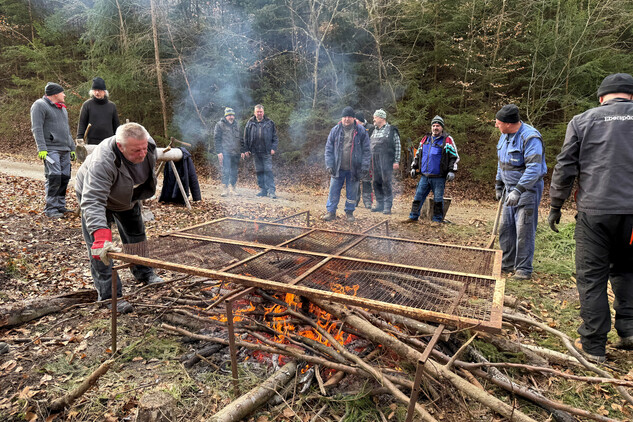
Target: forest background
[{"x": 173, "y": 65}]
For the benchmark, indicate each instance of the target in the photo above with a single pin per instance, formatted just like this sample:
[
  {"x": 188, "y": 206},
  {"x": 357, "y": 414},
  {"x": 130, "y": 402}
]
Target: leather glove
[
  {"x": 554, "y": 218},
  {"x": 499, "y": 190},
  {"x": 513, "y": 198},
  {"x": 330, "y": 171},
  {"x": 42, "y": 155},
  {"x": 102, "y": 245},
  {"x": 73, "y": 156},
  {"x": 450, "y": 176},
  {"x": 413, "y": 173}
]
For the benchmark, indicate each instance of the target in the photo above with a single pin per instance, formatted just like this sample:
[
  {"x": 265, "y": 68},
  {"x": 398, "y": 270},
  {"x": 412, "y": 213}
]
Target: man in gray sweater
[{"x": 55, "y": 146}]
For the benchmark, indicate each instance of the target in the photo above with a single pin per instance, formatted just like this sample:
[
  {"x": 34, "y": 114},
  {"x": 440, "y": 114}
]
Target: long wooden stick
[
  {"x": 495, "y": 228},
  {"x": 68, "y": 399}
]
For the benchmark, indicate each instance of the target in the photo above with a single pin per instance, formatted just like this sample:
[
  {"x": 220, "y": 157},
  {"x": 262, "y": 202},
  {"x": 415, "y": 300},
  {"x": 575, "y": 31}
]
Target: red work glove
[{"x": 102, "y": 245}]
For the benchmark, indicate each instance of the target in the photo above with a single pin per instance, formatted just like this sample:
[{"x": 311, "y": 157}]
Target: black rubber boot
[{"x": 438, "y": 212}]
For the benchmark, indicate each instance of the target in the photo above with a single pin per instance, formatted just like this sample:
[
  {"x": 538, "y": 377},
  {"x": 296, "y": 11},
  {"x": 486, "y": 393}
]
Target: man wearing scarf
[{"x": 55, "y": 146}]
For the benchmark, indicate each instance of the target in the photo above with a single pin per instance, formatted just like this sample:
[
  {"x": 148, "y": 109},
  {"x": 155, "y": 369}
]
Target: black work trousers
[{"x": 604, "y": 251}]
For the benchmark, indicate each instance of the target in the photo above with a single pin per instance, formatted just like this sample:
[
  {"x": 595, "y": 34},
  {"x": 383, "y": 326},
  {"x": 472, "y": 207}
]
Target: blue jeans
[
  {"x": 518, "y": 231},
  {"x": 264, "y": 170},
  {"x": 351, "y": 190},
  {"x": 424, "y": 187},
  {"x": 230, "y": 166}
]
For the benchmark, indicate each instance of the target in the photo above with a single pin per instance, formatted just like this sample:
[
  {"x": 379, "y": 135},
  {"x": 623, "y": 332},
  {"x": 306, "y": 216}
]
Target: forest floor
[{"x": 51, "y": 355}]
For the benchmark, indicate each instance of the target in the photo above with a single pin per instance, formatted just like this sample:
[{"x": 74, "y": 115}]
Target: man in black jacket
[
  {"x": 98, "y": 112},
  {"x": 260, "y": 139},
  {"x": 230, "y": 148},
  {"x": 598, "y": 150}
]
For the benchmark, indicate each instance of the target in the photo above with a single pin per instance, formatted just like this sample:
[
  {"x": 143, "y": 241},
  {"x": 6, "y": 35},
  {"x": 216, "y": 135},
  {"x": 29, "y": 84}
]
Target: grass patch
[
  {"x": 154, "y": 347},
  {"x": 555, "y": 252}
]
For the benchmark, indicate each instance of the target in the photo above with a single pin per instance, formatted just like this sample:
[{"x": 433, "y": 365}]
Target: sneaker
[
  {"x": 590, "y": 358},
  {"x": 272, "y": 195},
  {"x": 328, "y": 216},
  {"x": 522, "y": 275},
  {"x": 261, "y": 193},
  {"x": 377, "y": 208},
  {"x": 153, "y": 279},
  {"x": 625, "y": 343},
  {"x": 386, "y": 211},
  {"x": 122, "y": 306},
  {"x": 410, "y": 220},
  {"x": 350, "y": 216},
  {"x": 233, "y": 191},
  {"x": 225, "y": 192}
]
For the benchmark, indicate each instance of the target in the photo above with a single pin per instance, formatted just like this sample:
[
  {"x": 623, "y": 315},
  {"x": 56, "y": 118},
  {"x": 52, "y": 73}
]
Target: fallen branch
[
  {"x": 241, "y": 407},
  {"x": 18, "y": 313},
  {"x": 65, "y": 401}
]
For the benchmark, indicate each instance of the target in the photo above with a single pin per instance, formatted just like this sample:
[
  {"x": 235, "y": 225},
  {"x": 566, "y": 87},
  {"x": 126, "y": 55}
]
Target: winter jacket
[
  {"x": 436, "y": 158},
  {"x": 598, "y": 150},
  {"x": 103, "y": 118},
  {"x": 188, "y": 177},
  {"x": 50, "y": 128},
  {"x": 103, "y": 182},
  {"x": 227, "y": 137},
  {"x": 521, "y": 161},
  {"x": 386, "y": 141},
  {"x": 260, "y": 137},
  {"x": 360, "y": 155}
]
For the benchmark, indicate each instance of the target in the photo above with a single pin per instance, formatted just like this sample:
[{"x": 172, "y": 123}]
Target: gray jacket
[
  {"x": 598, "y": 149},
  {"x": 50, "y": 128},
  {"x": 103, "y": 182},
  {"x": 228, "y": 139}
]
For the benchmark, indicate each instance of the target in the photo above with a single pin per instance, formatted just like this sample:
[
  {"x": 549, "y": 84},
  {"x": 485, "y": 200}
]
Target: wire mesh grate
[
  {"x": 322, "y": 241},
  {"x": 250, "y": 231},
  {"x": 427, "y": 255},
  {"x": 277, "y": 265},
  {"x": 406, "y": 287}
]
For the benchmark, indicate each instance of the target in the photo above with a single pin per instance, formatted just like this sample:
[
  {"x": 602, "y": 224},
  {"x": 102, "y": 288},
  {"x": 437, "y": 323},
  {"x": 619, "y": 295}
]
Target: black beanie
[
  {"x": 618, "y": 82},
  {"x": 509, "y": 113},
  {"x": 360, "y": 116},
  {"x": 348, "y": 112},
  {"x": 52, "y": 88},
  {"x": 98, "y": 83}
]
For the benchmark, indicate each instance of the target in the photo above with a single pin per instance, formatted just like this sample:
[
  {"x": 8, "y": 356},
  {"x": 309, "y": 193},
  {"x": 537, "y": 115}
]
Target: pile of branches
[{"x": 454, "y": 366}]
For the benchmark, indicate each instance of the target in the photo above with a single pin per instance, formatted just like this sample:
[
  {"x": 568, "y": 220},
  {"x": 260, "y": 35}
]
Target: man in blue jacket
[
  {"x": 598, "y": 150},
  {"x": 260, "y": 139},
  {"x": 520, "y": 172},
  {"x": 347, "y": 158}
]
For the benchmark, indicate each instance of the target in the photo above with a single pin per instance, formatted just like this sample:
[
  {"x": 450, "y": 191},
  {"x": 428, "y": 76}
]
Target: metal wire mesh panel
[
  {"x": 427, "y": 255},
  {"x": 277, "y": 265},
  {"x": 322, "y": 241},
  {"x": 250, "y": 231},
  {"x": 428, "y": 290},
  {"x": 195, "y": 253}
]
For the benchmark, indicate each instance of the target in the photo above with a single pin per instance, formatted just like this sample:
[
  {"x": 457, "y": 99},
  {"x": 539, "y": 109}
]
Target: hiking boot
[
  {"x": 153, "y": 279},
  {"x": 410, "y": 220},
  {"x": 590, "y": 358},
  {"x": 350, "y": 216},
  {"x": 625, "y": 343},
  {"x": 122, "y": 306},
  {"x": 378, "y": 208},
  {"x": 233, "y": 191},
  {"x": 261, "y": 193},
  {"x": 386, "y": 211},
  {"x": 54, "y": 215},
  {"x": 66, "y": 210},
  {"x": 272, "y": 195},
  {"x": 522, "y": 275},
  {"x": 225, "y": 191},
  {"x": 328, "y": 216}
]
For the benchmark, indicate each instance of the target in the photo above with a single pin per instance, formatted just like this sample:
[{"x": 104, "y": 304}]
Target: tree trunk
[{"x": 159, "y": 76}]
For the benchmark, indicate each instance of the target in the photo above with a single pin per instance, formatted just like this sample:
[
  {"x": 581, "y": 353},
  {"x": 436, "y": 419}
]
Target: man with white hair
[
  {"x": 110, "y": 186},
  {"x": 98, "y": 112}
]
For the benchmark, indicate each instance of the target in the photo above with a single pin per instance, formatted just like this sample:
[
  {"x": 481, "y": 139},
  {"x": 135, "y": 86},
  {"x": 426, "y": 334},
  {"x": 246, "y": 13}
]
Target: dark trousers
[
  {"x": 603, "y": 252},
  {"x": 57, "y": 173},
  {"x": 132, "y": 231},
  {"x": 230, "y": 165},
  {"x": 264, "y": 170},
  {"x": 383, "y": 175}
]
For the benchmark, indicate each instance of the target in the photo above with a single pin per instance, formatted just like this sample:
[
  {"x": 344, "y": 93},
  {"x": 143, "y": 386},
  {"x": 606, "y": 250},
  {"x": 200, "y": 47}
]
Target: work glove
[
  {"x": 513, "y": 198},
  {"x": 42, "y": 155},
  {"x": 102, "y": 245},
  {"x": 554, "y": 218},
  {"x": 450, "y": 176},
  {"x": 498, "y": 190},
  {"x": 73, "y": 155},
  {"x": 330, "y": 171},
  {"x": 413, "y": 173}
]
